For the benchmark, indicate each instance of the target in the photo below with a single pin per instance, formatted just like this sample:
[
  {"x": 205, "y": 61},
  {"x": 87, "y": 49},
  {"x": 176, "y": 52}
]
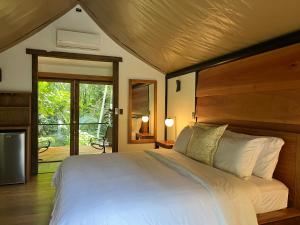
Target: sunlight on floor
[{"x": 50, "y": 167}]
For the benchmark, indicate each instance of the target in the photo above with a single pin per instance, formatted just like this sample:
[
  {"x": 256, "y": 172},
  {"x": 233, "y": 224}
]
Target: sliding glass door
[
  {"x": 74, "y": 117},
  {"x": 95, "y": 118},
  {"x": 54, "y": 120}
]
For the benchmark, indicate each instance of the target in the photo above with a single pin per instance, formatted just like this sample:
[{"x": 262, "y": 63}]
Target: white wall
[
  {"x": 16, "y": 67},
  {"x": 181, "y": 104}
]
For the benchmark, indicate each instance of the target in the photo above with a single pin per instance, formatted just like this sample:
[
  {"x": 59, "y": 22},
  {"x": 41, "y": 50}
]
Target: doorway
[
  {"x": 82, "y": 124},
  {"x": 74, "y": 117}
]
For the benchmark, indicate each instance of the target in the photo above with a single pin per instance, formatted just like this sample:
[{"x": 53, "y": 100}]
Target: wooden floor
[
  {"x": 27, "y": 204},
  {"x": 60, "y": 153}
]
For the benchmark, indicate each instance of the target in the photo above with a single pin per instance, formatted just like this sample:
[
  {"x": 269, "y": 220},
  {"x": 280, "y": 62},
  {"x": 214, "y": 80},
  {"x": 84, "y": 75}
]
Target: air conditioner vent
[{"x": 78, "y": 40}]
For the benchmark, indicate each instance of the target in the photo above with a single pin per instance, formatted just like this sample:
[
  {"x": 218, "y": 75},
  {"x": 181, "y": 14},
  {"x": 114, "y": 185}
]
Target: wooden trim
[
  {"x": 68, "y": 55},
  {"x": 275, "y": 43},
  {"x": 75, "y": 119},
  {"x": 131, "y": 82},
  {"x": 34, "y": 113},
  {"x": 166, "y": 107},
  {"x": 297, "y": 178},
  {"x": 129, "y": 125},
  {"x": 115, "y": 144},
  {"x": 34, "y": 117},
  {"x": 279, "y": 215},
  {"x": 67, "y": 76}
]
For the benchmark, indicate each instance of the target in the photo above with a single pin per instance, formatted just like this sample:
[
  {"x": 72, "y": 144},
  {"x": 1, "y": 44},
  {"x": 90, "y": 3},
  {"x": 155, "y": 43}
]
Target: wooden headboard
[{"x": 259, "y": 95}]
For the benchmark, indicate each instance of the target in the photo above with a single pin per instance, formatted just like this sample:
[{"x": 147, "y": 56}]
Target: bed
[
  {"x": 164, "y": 187},
  {"x": 93, "y": 190}
]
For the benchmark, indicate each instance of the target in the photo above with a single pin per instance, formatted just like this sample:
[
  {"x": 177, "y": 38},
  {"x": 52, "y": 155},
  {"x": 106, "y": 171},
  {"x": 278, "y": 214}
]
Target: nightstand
[{"x": 164, "y": 144}]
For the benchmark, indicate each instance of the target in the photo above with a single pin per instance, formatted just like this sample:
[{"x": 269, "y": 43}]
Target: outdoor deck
[
  {"x": 60, "y": 153},
  {"x": 48, "y": 159}
]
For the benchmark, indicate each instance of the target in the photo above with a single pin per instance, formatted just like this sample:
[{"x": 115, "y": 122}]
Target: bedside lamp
[
  {"x": 170, "y": 122},
  {"x": 145, "y": 119}
]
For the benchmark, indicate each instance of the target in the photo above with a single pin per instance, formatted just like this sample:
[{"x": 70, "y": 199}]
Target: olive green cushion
[{"x": 204, "y": 143}]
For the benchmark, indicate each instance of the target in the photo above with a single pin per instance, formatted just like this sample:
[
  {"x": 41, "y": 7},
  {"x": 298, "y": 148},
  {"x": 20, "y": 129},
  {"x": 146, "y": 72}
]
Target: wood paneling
[
  {"x": 280, "y": 106},
  {"x": 66, "y": 76},
  {"x": 274, "y": 70},
  {"x": 69, "y": 55},
  {"x": 259, "y": 95},
  {"x": 15, "y": 109}
]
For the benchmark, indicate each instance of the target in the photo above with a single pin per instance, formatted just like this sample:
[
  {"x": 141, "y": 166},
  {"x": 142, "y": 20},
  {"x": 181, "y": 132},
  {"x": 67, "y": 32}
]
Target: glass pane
[
  {"x": 54, "y": 142},
  {"x": 95, "y": 105},
  {"x": 54, "y": 103}
]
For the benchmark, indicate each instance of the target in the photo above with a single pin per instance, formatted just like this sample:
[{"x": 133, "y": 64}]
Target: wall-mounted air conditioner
[{"x": 72, "y": 39}]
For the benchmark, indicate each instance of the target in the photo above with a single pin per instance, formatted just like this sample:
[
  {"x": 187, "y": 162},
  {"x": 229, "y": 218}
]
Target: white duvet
[{"x": 159, "y": 187}]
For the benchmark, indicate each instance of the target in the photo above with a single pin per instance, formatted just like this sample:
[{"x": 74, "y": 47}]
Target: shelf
[{"x": 14, "y": 107}]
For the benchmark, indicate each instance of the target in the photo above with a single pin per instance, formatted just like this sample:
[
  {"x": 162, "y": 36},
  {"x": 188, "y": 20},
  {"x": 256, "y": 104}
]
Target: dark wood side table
[{"x": 164, "y": 144}]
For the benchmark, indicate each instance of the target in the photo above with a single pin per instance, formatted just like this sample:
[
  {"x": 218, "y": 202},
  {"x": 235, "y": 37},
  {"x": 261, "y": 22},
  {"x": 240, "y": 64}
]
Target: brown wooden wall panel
[
  {"x": 269, "y": 107},
  {"x": 274, "y": 70},
  {"x": 259, "y": 95}
]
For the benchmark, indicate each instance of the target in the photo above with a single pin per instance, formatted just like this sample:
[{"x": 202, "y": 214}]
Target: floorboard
[{"x": 27, "y": 204}]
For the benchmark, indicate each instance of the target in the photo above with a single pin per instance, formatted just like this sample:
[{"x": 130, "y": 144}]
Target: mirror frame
[{"x": 142, "y": 141}]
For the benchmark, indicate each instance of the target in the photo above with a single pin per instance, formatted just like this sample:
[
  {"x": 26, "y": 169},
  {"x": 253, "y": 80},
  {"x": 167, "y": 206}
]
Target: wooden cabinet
[
  {"x": 15, "y": 109},
  {"x": 15, "y": 115}
]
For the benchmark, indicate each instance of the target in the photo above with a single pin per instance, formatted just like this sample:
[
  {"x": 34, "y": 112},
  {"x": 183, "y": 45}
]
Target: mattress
[
  {"x": 159, "y": 187},
  {"x": 273, "y": 195}
]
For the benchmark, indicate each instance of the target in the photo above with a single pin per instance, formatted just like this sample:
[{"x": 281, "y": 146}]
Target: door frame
[{"x": 35, "y": 53}]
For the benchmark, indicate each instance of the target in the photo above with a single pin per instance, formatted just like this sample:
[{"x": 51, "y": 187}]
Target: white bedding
[
  {"x": 273, "y": 195},
  {"x": 159, "y": 187}
]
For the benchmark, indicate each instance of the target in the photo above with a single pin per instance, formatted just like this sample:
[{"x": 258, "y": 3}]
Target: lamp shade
[
  {"x": 169, "y": 122},
  {"x": 145, "y": 119}
]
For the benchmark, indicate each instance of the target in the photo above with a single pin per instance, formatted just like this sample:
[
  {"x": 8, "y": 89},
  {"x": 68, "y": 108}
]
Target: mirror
[{"x": 142, "y": 111}]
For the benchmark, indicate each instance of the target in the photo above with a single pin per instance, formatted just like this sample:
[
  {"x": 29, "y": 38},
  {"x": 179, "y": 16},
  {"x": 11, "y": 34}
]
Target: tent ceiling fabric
[
  {"x": 172, "y": 34},
  {"x": 167, "y": 34},
  {"x": 19, "y": 18}
]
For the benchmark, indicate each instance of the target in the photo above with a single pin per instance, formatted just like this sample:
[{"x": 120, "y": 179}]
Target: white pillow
[
  {"x": 268, "y": 158},
  {"x": 237, "y": 153},
  {"x": 183, "y": 139}
]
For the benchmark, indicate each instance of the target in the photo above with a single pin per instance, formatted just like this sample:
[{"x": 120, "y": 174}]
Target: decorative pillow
[
  {"x": 237, "y": 153},
  {"x": 268, "y": 158},
  {"x": 204, "y": 142},
  {"x": 183, "y": 139}
]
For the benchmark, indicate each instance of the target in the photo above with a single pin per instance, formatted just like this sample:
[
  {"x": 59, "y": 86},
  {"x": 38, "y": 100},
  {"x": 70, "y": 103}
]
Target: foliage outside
[{"x": 54, "y": 112}]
